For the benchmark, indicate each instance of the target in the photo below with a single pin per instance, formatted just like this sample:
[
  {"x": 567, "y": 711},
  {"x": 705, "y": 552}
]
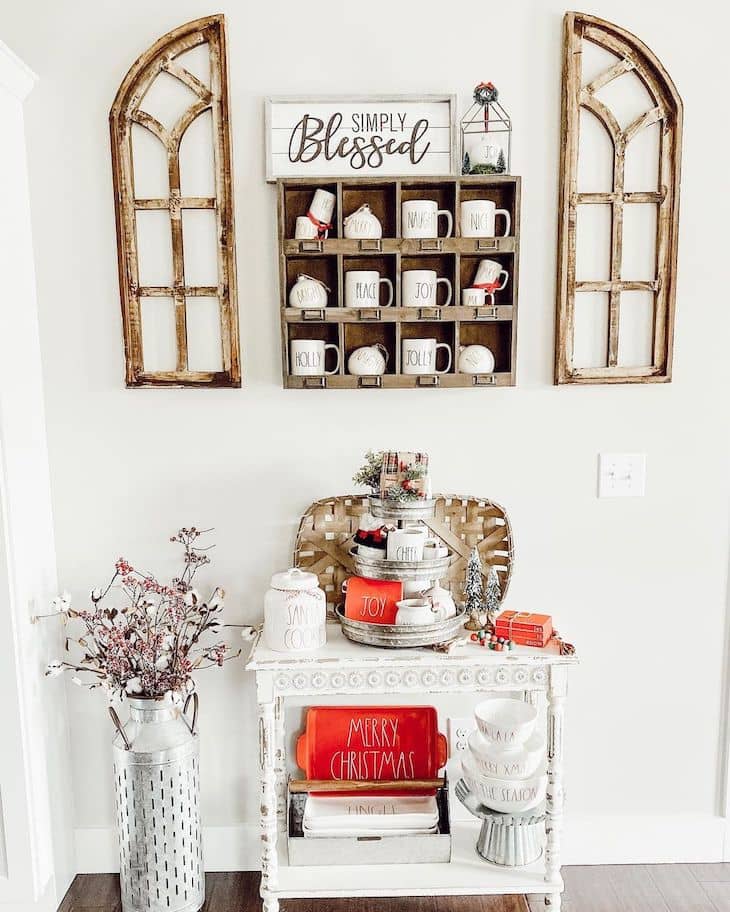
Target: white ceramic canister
[{"x": 295, "y": 612}]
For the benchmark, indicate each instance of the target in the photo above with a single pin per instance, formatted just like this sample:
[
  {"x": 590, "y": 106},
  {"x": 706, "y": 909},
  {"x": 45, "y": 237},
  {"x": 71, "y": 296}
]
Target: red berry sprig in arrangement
[{"x": 492, "y": 641}]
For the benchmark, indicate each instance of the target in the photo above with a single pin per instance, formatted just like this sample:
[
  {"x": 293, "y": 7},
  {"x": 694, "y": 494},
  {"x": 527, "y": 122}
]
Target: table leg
[
  {"x": 554, "y": 802},
  {"x": 280, "y": 759},
  {"x": 267, "y": 772}
]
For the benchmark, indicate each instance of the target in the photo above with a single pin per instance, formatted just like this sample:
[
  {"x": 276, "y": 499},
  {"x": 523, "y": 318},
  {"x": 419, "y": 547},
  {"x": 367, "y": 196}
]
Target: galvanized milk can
[{"x": 157, "y": 792}]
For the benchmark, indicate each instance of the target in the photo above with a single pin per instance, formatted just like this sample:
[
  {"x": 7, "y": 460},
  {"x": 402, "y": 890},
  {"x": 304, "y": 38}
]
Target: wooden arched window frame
[
  {"x": 632, "y": 57},
  {"x": 128, "y": 110}
]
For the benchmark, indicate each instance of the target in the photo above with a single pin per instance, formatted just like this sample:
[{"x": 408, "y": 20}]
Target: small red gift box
[
  {"x": 524, "y": 628},
  {"x": 373, "y": 601}
]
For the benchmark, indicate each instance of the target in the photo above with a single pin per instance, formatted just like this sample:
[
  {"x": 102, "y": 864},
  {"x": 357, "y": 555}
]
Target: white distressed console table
[{"x": 344, "y": 668}]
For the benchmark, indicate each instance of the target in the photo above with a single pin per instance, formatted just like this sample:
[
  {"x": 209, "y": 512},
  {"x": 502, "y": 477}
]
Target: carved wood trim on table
[
  {"x": 634, "y": 57},
  {"x": 327, "y": 529},
  {"x": 126, "y": 111}
]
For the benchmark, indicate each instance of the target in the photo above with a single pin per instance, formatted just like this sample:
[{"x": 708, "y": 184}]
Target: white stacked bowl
[{"x": 501, "y": 765}]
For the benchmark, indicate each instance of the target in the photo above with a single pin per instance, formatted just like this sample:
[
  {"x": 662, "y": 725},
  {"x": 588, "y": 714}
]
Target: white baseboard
[
  {"x": 586, "y": 840},
  {"x": 230, "y": 848},
  {"x": 643, "y": 840}
]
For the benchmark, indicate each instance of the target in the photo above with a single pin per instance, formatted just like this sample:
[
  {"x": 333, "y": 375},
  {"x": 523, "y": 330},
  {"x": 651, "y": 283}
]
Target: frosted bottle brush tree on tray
[{"x": 144, "y": 638}]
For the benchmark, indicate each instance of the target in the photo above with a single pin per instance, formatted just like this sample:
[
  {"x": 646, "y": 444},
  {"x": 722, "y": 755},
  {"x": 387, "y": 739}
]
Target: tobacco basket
[{"x": 327, "y": 530}]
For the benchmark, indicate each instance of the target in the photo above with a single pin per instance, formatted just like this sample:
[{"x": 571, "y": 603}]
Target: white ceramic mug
[
  {"x": 322, "y": 206},
  {"x": 406, "y": 544},
  {"x": 490, "y": 276},
  {"x": 305, "y": 229},
  {"x": 419, "y": 356},
  {"x": 433, "y": 549},
  {"x": 473, "y": 297},
  {"x": 362, "y": 288},
  {"x": 419, "y": 219},
  {"x": 420, "y": 288},
  {"x": 308, "y": 357},
  {"x": 478, "y": 218}
]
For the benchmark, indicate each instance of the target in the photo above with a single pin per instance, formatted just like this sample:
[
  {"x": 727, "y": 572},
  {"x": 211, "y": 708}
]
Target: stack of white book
[{"x": 370, "y": 816}]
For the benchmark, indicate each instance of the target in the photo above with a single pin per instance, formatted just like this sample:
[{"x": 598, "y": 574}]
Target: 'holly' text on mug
[{"x": 310, "y": 359}]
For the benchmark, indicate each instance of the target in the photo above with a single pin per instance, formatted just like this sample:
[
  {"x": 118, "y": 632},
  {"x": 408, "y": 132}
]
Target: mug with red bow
[
  {"x": 318, "y": 220},
  {"x": 490, "y": 277}
]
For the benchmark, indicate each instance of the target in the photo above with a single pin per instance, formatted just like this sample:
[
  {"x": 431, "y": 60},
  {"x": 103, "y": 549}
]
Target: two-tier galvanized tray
[
  {"x": 377, "y": 568},
  {"x": 401, "y": 636}
]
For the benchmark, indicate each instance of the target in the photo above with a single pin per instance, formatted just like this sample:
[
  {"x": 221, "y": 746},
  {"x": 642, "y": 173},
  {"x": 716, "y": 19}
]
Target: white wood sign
[{"x": 360, "y": 136}]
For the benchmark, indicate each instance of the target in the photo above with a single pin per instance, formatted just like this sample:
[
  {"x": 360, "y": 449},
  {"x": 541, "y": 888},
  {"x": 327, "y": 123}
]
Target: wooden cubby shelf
[{"x": 455, "y": 258}]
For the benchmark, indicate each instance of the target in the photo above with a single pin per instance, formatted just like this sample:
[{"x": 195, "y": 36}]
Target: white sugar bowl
[
  {"x": 363, "y": 223},
  {"x": 295, "y": 612},
  {"x": 308, "y": 292},
  {"x": 475, "y": 359},
  {"x": 368, "y": 360},
  {"x": 414, "y": 612}
]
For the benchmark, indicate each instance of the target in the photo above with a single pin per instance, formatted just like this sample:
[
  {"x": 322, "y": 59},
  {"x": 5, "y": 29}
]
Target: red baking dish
[{"x": 385, "y": 743}]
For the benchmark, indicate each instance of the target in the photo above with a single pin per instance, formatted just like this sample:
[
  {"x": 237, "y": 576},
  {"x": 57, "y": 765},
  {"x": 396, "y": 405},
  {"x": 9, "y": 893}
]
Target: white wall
[{"x": 637, "y": 584}]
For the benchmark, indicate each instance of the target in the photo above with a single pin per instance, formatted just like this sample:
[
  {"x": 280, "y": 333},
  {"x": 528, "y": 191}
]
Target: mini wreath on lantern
[{"x": 485, "y": 93}]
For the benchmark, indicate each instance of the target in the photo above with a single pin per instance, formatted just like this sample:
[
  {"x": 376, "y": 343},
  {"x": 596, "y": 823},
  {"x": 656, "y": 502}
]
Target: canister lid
[{"x": 294, "y": 579}]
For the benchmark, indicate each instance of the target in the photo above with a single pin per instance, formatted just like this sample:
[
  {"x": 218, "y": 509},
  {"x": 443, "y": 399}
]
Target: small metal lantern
[{"x": 486, "y": 134}]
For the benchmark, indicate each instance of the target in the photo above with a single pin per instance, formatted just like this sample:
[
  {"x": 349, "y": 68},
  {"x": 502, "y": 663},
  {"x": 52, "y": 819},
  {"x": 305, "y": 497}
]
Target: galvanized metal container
[
  {"x": 512, "y": 840},
  {"x": 401, "y": 636},
  {"x": 157, "y": 792}
]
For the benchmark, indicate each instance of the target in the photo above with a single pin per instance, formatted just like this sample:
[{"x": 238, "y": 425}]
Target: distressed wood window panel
[
  {"x": 613, "y": 54},
  {"x": 198, "y": 86}
]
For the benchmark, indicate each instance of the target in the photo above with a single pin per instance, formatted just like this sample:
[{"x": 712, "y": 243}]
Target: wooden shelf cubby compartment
[{"x": 455, "y": 258}]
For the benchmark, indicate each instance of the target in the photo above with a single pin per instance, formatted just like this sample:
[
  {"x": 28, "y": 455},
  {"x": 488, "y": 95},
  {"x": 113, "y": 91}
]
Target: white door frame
[{"x": 36, "y": 820}]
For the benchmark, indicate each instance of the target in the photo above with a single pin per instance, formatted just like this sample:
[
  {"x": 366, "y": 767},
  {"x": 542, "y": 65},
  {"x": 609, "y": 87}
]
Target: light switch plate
[{"x": 621, "y": 474}]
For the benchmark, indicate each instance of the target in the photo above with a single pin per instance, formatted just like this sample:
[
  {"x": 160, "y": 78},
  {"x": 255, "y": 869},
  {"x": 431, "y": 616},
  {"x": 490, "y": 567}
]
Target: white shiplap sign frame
[{"x": 361, "y": 136}]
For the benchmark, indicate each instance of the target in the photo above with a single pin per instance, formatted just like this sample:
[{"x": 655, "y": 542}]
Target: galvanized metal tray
[
  {"x": 410, "y": 511},
  {"x": 401, "y": 636},
  {"x": 373, "y": 568}
]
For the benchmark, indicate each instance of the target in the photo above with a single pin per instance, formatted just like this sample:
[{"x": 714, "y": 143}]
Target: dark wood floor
[{"x": 606, "y": 888}]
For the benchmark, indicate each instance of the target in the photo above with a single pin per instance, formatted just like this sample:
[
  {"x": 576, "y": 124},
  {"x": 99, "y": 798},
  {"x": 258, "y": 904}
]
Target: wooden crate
[{"x": 456, "y": 258}]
